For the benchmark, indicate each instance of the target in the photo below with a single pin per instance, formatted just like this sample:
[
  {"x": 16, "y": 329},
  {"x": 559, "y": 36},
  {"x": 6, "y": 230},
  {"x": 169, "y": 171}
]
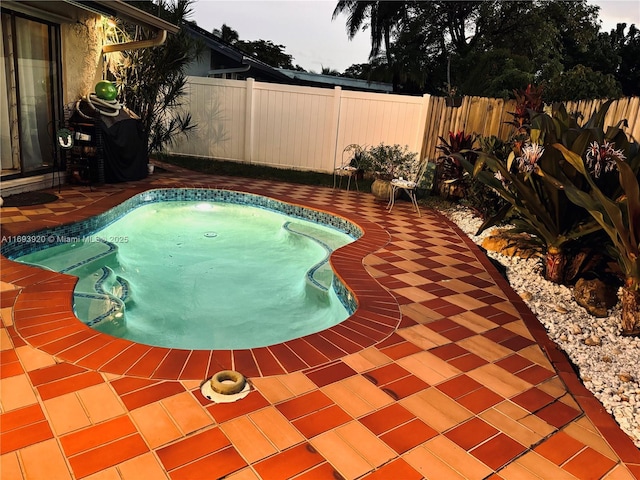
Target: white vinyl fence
[{"x": 287, "y": 126}]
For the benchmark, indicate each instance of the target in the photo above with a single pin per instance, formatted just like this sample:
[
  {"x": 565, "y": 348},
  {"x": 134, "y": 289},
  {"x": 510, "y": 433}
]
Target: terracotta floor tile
[
  {"x": 535, "y": 374},
  {"x": 153, "y": 393},
  {"x": 558, "y": 414},
  {"x": 485, "y": 348},
  {"x": 471, "y": 433},
  {"x": 216, "y": 465},
  {"x": 247, "y": 439},
  {"x": 36, "y": 469},
  {"x": 92, "y": 437},
  {"x": 457, "y": 458},
  {"x": 288, "y": 463},
  {"x": 297, "y": 383},
  {"x": 21, "y": 417},
  {"x": 107, "y": 474},
  {"x": 24, "y": 436},
  {"x": 66, "y": 413},
  {"x": 304, "y": 404},
  {"x": 16, "y": 392},
  {"x": 325, "y": 375},
  {"x": 387, "y": 418},
  {"x": 436, "y": 409},
  {"x": 479, "y": 400},
  {"x": 10, "y": 466},
  {"x": 397, "y": 469},
  {"x": 430, "y": 467},
  {"x": 399, "y": 350},
  {"x": 93, "y": 461},
  {"x": 276, "y": 428},
  {"x": 589, "y": 464},
  {"x": 366, "y": 359},
  {"x": 146, "y": 463},
  {"x": 186, "y": 412},
  {"x": 192, "y": 448},
  {"x": 321, "y": 421},
  {"x": 497, "y": 379},
  {"x": 408, "y": 436},
  {"x": 497, "y": 451},
  {"x": 538, "y": 466},
  {"x": 324, "y": 471},
  {"x": 101, "y": 402},
  {"x": 69, "y": 384},
  {"x": 514, "y": 363},
  {"x": 226, "y": 411},
  {"x": 404, "y": 387},
  {"x": 428, "y": 367},
  {"x": 368, "y": 445},
  {"x": 33, "y": 359},
  {"x": 348, "y": 462},
  {"x": 559, "y": 448},
  {"x": 243, "y": 474},
  {"x": 155, "y": 425},
  {"x": 458, "y": 386},
  {"x": 509, "y": 426},
  {"x": 272, "y": 388},
  {"x": 383, "y": 375},
  {"x": 354, "y": 404},
  {"x": 533, "y": 399}
]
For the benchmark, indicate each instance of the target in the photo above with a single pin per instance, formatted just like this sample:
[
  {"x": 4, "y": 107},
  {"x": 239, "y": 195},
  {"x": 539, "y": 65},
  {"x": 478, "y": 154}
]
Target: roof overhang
[
  {"x": 62, "y": 11},
  {"x": 124, "y": 11}
]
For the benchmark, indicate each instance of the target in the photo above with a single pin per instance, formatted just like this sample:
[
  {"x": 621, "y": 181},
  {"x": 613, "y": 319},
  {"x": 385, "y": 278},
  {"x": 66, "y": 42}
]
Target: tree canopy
[
  {"x": 264, "y": 50},
  {"x": 492, "y": 48}
]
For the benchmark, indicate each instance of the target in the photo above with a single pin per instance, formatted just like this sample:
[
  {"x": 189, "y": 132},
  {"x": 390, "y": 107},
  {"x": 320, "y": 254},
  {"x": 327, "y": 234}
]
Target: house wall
[
  {"x": 295, "y": 127},
  {"x": 82, "y": 62}
]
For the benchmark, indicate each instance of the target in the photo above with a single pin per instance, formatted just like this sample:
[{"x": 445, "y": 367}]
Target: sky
[{"x": 306, "y": 30}]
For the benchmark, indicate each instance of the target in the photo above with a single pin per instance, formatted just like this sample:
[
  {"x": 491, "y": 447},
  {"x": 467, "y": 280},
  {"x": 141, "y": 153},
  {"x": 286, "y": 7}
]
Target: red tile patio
[{"x": 441, "y": 373}]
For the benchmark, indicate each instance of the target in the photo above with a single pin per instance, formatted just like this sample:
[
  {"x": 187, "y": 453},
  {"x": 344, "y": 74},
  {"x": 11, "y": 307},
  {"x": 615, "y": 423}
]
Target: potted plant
[{"x": 386, "y": 162}]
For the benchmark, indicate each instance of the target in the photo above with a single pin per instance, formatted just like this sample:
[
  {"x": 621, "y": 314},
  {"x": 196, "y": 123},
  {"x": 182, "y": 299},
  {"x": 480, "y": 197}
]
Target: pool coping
[{"x": 44, "y": 318}]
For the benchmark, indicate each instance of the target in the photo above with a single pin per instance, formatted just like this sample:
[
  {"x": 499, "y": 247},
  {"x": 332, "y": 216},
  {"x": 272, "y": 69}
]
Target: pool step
[
  {"x": 319, "y": 276},
  {"x": 67, "y": 257}
]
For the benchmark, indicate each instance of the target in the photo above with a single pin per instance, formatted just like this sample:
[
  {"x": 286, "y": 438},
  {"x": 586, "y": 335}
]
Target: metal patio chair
[
  {"x": 349, "y": 165},
  {"x": 409, "y": 185}
]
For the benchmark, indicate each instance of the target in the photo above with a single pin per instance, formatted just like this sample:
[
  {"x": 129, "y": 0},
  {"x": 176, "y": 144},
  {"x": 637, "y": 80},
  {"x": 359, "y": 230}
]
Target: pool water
[{"x": 203, "y": 275}]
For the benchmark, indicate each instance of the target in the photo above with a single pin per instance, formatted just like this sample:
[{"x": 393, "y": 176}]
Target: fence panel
[
  {"x": 370, "y": 119},
  {"x": 307, "y": 128},
  {"x": 218, "y": 108}
]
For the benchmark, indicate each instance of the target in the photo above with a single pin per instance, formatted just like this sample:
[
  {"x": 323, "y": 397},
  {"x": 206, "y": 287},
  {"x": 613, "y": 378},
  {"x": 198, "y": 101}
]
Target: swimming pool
[{"x": 159, "y": 269}]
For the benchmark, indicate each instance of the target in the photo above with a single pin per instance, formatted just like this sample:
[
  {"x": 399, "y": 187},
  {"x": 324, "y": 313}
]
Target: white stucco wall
[{"x": 82, "y": 61}]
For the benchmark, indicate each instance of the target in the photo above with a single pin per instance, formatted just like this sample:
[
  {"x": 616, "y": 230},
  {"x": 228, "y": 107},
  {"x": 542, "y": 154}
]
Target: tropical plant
[
  {"x": 450, "y": 174},
  {"x": 526, "y": 180},
  {"x": 619, "y": 217},
  {"x": 151, "y": 81}
]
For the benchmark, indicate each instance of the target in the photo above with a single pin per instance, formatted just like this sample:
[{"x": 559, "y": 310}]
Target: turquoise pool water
[{"x": 203, "y": 275}]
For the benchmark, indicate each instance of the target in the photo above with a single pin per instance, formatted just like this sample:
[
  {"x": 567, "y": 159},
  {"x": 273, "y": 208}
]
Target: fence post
[
  {"x": 248, "y": 122},
  {"x": 422, "y": 123},
  {"x": 335, "y": 123}
]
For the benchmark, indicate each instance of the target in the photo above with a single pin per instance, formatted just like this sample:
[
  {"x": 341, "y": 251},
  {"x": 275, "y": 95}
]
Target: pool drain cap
[
  {"x": 225, "y": 386},
  {"x": 228, "y": 382}
]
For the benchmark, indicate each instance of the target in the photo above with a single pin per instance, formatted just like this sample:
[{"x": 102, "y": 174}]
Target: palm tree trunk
[
  {"x": 630, "y": 309},
  {"x": 555, "y": 264}
]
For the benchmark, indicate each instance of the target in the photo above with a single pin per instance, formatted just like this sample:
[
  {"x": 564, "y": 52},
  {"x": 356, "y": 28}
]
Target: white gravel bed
[{"x": 609, "y": 363}]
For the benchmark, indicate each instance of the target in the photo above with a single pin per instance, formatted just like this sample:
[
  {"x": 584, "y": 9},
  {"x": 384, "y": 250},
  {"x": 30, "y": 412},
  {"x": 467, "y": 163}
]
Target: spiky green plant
[
  {"x": 526, "y": 180},
  {"x": 619, "y": 217}
]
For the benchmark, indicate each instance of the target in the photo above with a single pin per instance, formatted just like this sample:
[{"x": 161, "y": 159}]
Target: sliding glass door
[{"x": 29, "y": 95}]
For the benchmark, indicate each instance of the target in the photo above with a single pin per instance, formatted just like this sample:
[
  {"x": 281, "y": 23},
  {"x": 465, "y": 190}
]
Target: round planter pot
[{"x": 381, "y": 190}]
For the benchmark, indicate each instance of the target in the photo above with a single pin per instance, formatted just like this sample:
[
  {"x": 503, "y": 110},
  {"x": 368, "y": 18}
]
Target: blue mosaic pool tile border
[{"x": 79, "y": 231}]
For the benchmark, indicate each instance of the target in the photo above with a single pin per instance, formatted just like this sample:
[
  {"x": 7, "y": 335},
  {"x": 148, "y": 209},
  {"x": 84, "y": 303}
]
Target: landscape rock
[
  {"x": 511, "y": 244},
  {"x": 595, "y": 295}
]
